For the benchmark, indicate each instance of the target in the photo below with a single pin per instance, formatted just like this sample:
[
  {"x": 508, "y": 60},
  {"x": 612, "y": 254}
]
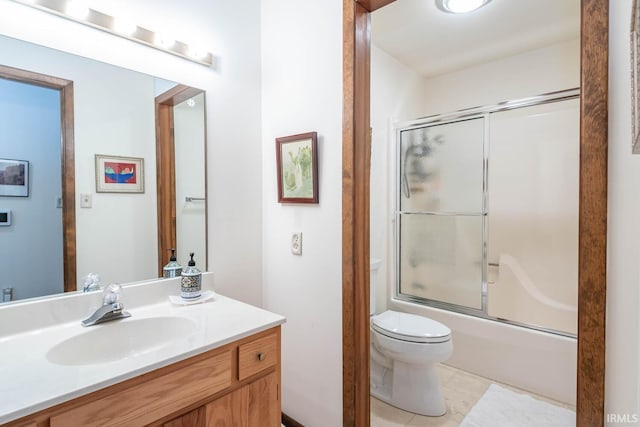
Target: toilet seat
[{"x": 409, "y": 327}]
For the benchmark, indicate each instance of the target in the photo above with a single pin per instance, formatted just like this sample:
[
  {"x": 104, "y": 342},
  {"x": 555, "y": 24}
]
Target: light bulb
[
  {"x": 124, "y": 26},
  {"x": 164, "y": 40},
  {"x": 197, "y": 52},
  {"x": 460, "y": 6},
  {"x": 77, "y": 9}
]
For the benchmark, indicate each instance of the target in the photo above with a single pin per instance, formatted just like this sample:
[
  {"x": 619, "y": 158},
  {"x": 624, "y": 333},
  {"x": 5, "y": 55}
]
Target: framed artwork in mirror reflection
[
  {"x": 297, "y": 166},
  {"x": 14, "y": 178},
  {"x": 115, "y": 174},
  {"x": 635, "y": 82}
]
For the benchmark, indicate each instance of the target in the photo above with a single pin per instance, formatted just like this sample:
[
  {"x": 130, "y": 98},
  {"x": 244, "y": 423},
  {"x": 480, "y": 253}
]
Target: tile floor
[{"x": 461, "y": 391}]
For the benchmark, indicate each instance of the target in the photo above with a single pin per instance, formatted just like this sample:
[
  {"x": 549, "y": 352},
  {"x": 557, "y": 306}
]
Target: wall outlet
[
  {"x": 296, "y": 243},
  {"x": 85, "y": 200}
]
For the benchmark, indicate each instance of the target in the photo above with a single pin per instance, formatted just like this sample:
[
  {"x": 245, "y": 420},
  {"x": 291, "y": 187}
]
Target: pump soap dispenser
[
  {"x": 191, "y": 284},
  {"x": 172, "y": 269}
]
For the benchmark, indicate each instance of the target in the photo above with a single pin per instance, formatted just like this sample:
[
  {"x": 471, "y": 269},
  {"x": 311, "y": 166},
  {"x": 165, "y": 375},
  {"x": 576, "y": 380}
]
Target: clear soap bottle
[
  {"x": 172, "y": 269},
  {"x": 191, "y": 284}
]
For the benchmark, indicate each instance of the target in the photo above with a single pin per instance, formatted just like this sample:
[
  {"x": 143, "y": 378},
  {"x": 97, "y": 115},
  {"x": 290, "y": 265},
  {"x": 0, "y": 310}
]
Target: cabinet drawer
[
  {"x": 155, "y": 398},
  {"x": 257, "y": 355}
]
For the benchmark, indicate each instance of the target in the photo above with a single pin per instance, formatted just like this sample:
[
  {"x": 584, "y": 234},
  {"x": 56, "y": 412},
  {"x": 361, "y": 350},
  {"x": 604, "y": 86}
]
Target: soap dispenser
[
  {"x": 191, "y": 284},
  {"x": 172, "y": 269}
]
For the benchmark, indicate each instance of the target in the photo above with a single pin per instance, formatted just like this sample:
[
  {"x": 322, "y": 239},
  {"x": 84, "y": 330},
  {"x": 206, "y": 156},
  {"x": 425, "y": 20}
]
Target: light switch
[
  {"x": 85, "y": 200},
  {"x": 296, "y": 243}
]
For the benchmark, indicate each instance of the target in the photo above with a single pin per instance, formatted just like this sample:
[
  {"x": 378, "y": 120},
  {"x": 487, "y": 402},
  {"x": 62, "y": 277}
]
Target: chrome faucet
[{"x": 112, "y": 308}]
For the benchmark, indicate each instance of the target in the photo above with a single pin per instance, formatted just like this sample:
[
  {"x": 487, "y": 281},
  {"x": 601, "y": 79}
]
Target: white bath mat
[{"x": 500, "y": 407}]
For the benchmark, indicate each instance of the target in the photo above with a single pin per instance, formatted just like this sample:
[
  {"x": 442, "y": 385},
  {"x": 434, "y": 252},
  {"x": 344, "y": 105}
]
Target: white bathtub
[
  {"x": 535, "y": 361},
  {"x": 515, "y": 296}
]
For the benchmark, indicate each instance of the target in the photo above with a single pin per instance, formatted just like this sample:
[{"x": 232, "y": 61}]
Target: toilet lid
[{"x": 409, "y": 327}]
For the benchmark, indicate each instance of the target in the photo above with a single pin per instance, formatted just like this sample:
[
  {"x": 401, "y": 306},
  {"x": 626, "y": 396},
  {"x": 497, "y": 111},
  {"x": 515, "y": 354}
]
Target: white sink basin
[{"x": 119, "y": 339}]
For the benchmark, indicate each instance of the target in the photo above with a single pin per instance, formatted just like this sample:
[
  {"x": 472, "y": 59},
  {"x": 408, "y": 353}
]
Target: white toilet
[{"x": 404, "y": 351}]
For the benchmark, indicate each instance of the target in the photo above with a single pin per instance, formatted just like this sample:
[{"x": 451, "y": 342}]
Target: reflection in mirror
[
  {"x": 181, "y": 203},
  {"x": 30, "y": 121},
  {"x": 116, "y": 234}
]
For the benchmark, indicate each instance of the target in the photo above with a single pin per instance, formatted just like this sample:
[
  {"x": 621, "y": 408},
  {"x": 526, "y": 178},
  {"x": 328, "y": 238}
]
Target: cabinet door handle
[{"x": 261, "y": 356}]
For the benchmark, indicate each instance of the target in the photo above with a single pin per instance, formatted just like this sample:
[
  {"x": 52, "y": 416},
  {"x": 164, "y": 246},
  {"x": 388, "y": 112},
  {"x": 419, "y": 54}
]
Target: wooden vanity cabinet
[{"x": 234, "y": 385}]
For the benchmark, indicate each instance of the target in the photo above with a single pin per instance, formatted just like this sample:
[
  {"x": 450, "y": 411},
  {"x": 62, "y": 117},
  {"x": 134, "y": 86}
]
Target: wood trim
[
  {"x": 30, "y": 77},
  {"x": 356, "y": 158},
  {"x": 166, "y": 170},
  {"x": 68, "y": 188},
  {"x": 592, "y": 228},
  {"x": 166, "y": 183},
  {"x": 592, "y": 251},
  {"x": 67, "y": 150},
  {"x": 290, "y": 422},
  {"x": 348, "y": 262},
  {"x": 371, "y": 5},
  {"x": 177, "y": 95}
]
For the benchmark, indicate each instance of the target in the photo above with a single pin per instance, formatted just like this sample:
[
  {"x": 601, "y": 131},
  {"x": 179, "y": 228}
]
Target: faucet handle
[
  {"x": 91, "y": 282},
  {"x": 112, "y": 294}
]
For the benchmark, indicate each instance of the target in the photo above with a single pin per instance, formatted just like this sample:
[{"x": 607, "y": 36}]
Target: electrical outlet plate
[
  {"x": 85, "y": 200},
  {"x": 296, "y": 243}
]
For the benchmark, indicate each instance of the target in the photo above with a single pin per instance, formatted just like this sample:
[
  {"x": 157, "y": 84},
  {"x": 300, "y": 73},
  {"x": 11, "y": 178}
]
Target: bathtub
[{"x": 532, "y": 360}]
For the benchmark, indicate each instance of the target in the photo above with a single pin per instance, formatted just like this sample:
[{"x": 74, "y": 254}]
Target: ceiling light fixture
[
  {"x": 77, "y": 10},
  {"x": 460, "y": 6}
]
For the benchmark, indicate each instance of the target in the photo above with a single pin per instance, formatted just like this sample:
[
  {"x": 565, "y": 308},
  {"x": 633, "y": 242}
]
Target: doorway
[
  {"x": 193, "y": 225},
  {"x": 592, "y": 220},
  {"x": 66, "y": 200}
]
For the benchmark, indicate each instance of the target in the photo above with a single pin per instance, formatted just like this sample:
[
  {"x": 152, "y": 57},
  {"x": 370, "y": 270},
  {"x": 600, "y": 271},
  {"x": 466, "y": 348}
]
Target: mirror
[{"x": 117, "y": 233}]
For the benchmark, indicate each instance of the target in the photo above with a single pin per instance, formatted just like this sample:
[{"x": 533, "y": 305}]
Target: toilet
[{"x": 404, "y": 351}]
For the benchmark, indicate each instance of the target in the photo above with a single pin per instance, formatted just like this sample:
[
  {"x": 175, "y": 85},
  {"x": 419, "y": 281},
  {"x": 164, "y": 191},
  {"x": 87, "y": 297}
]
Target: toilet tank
[{"x": 373, "y": 282}]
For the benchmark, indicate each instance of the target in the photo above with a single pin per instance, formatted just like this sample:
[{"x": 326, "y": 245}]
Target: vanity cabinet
[{"x": 237, "y": 384}]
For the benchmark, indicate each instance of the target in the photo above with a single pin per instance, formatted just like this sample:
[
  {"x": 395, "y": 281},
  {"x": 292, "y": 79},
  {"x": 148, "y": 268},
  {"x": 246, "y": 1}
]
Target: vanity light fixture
[
  {"x": 164, "y": 40},
  {"x": 78, "y": 11},
  {"x": 124, "y": 26},
  {"x": 460, "y": 6}
]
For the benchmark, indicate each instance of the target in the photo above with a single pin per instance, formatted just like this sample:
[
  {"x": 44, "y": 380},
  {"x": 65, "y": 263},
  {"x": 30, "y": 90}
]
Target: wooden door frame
[
  {"x": 65, "y": 87},
  {"x": 592, "y": 244},
  {"x": 166, "y": 169}
]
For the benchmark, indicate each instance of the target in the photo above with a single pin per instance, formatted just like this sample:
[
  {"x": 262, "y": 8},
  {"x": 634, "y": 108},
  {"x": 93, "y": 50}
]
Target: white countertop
[{"x": 29, "y": 382}]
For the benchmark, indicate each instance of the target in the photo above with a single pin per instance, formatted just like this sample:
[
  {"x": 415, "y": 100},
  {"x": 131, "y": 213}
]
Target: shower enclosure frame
[{"x": 482, "y": 112}]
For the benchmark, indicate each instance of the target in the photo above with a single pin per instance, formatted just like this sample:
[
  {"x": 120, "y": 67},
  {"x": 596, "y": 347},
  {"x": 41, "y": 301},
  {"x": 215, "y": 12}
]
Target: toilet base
[{"x": 410, "y": 389}]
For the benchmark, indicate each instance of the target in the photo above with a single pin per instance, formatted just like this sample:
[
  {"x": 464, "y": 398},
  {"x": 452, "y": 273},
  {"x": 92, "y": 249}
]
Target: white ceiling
[{"x": 432, "y": 42}]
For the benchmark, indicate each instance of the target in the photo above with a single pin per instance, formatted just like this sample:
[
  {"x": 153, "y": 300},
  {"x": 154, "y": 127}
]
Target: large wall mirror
[{"x": 136, "y": 121}]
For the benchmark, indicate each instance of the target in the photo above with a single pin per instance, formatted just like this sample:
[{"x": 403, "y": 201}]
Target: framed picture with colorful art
[{"x": 115, "y": 174}]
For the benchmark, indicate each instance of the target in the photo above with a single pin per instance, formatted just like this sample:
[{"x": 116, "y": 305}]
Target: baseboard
[{"x": 290, "y": 422}]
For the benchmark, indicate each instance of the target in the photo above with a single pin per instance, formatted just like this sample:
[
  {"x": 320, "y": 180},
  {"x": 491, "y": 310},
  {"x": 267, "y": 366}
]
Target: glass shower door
[{"x": 440, "y": 215}]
